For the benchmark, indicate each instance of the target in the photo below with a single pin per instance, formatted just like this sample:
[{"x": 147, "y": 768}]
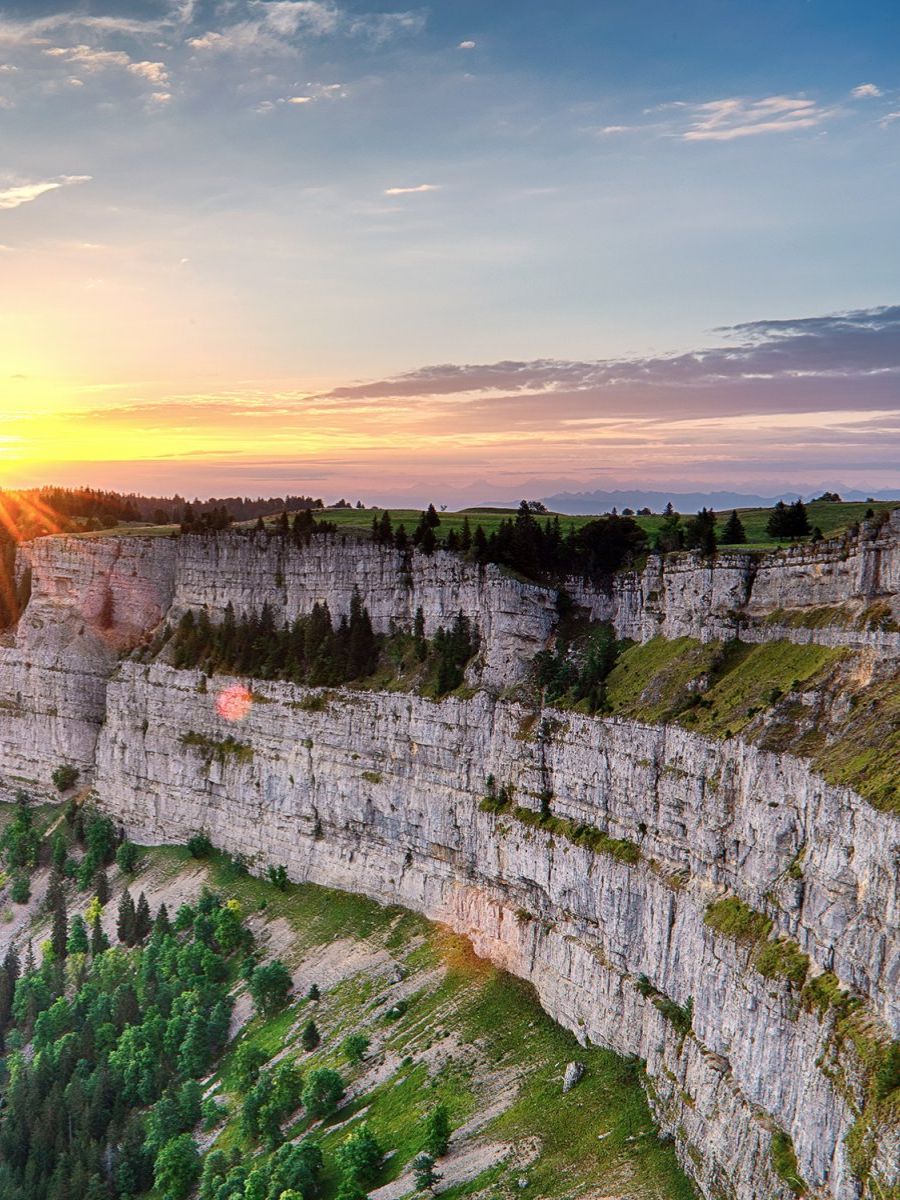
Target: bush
[
  {"x": 269, "y": 986},
  {"x": 65, "y": 777},
  {"x": 738, "y": 920},
  {"x": 199, "y": 846},
  {"x": 323, "y": 1092},
  {"x": 278, "y": 877},
  {"x": 20, "y": 892},
  {"x": 355, "y": 1047},
  {"x": 783, "y": 959},
  {"x": 127, "y": 857}
]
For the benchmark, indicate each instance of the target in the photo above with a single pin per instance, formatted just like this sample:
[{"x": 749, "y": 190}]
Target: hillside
[{"x": 410, "y": 1019}]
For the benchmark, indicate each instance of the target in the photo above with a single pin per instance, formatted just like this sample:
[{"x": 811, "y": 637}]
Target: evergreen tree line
[
  {"x": 311, "y": 650},
  {"x": 536, "y": 549}
]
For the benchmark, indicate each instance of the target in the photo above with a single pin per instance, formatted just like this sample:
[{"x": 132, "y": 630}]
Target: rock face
[
  {"x": 604, "y": 909},
  {"x": 755, "y": 598},
  {"x": 381, "y": 793},
  {"x": 93, "y": 597}
]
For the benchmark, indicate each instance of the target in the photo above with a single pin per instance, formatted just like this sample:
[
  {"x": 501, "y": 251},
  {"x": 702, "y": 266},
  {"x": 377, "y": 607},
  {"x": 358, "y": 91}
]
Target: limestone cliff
[{"x": 605, "y": 905}]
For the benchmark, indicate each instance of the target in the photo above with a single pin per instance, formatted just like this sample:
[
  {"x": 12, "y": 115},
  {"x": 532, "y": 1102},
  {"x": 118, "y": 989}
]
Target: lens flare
[{"x": 233, "y": 703}]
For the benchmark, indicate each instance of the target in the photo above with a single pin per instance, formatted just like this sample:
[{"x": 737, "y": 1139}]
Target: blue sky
[{"x": 281, "y": 198}]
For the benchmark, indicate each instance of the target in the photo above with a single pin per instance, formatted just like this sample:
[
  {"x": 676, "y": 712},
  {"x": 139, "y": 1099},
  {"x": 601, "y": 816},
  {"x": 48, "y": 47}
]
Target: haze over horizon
[{"x": 271, "y": 246}]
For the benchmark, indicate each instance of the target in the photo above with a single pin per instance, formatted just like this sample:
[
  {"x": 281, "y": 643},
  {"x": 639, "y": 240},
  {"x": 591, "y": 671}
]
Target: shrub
[
  {"x": 127, "y": 857},
  {"x": 783, "y": 959},
  {"x": 199, "y": 846},
  {"x": 355, "y": 1047},
  {"x": 738, "y": 920},
  {"x": 20, "y": 892},
  {"x": 323, "y": 1092},
  {"x": 784, "y": 1161},
  {"x": 681, "y": 1016},
  {"x": 65, "y": 777},
  {"x": 278, "y": 877},
  {"x": 887, "y": 1077}
]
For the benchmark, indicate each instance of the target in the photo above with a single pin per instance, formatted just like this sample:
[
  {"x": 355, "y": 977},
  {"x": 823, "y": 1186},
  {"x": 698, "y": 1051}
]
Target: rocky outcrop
[
  {"x": 91, "y": 598},
  {"x": 785, "y": 595},
  {"x": 381, "y": 793}
]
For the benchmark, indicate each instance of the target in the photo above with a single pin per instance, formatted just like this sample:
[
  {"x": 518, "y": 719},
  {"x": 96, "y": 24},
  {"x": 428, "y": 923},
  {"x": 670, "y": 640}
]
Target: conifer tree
[
  {"x": 59, "y": 930},
  {"x": 125, "y": 923},
  {"x": 99, "y": 940},
  {"x": 101, "y": 886},
  {"x": 778, "y": 524},
  {"x": 798, "y": 521},
  {"x": 734, "y": 533},
  {"x": 143, "y": 922},
  {"x": 78, "y": 936},
  {"x": 310, "y": 1038},
  {"x": 162, "y": 926}
]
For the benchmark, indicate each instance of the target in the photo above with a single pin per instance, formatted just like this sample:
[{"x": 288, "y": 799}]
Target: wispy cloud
[
  {"x": 279, "y": 26},
  {"x": 866, "y": 91},
  {"x": 92, "y": 60},
  {"x": 737, "y": 117},
  {"x": 15, "y": 195},
  {"x": 410, "y": 191}
]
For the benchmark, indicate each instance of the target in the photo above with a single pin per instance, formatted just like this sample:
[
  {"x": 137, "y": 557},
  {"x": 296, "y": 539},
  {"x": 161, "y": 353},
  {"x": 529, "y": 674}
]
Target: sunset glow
[{"x": 624, "y": 275}]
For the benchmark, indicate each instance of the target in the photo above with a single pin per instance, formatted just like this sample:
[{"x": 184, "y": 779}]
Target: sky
[{"x": 354, "y": 248}]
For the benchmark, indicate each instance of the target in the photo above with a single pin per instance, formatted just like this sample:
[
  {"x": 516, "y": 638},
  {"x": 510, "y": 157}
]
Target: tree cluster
[
  {"x": 574, "y": 677},
  {"x": 309, "y": 650},
  {"x": 536, "y": 549},
  {"x": 788, "y": 521},
  {"x": 103, "y": 1105}
]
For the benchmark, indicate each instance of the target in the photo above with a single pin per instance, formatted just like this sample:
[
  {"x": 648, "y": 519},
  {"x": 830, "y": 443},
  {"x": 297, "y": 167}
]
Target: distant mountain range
[{"x": 576, "y": 503}]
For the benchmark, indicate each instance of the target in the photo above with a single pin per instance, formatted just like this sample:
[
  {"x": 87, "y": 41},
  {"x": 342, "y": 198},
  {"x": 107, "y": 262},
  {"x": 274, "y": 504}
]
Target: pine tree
[
  {"x": 143, "y": 922},
  {"x": 60, "y": 929},
  {"x": 779, "y": 524},
  {"x": 162, "y": 926},
  {"x": 734, "y": 533},
  {"x": 101, "y": 887},
  {"x": 310, "y": 1038},
  {"x": 798, "y": 521},
  {"x": 125, "y": 924},
  {"x": 99, "y": 940},
  {"x": 437, "y": 1131},
  {"x": 426, "y": 1176},
  {"x": 78, "y": 937},
  {"x": 465, "y": 538}
]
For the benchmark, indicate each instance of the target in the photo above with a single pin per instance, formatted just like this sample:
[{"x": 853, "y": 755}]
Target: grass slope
[{"x": 468, "y": 1036}]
